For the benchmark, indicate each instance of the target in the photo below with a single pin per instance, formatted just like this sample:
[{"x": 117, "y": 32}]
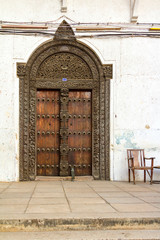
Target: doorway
[{"x": 54, "y": 131}]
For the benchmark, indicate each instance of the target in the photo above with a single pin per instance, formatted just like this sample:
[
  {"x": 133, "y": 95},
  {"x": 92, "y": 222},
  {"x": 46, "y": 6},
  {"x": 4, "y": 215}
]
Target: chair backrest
[{"x": 138, "y": 155}]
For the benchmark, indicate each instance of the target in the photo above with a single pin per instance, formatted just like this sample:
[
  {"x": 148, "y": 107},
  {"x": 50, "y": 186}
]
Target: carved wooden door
[
  {"x": 48, "y": 133},
  {"x": 64, "y": 132},
  {"x": 79, "y": 129}
]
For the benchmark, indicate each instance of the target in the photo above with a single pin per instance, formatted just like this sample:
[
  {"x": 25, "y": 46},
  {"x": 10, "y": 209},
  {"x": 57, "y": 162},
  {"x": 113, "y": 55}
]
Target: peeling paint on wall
[{"x": 126, "y": 139}]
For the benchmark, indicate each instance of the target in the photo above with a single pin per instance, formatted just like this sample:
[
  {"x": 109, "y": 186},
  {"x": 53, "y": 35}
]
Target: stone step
[
  {"x": 84, "y": 235},
  {"x": 79, "y": 224}
]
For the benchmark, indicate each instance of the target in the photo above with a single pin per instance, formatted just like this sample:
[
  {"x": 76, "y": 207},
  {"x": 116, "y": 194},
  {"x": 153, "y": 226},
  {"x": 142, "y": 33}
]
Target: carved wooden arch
[{"x": 64, "y": 57}]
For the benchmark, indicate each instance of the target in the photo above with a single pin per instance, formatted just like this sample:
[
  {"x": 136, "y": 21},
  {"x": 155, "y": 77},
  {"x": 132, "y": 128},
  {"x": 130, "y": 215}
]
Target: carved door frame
[{"x": 45, "y": 70}]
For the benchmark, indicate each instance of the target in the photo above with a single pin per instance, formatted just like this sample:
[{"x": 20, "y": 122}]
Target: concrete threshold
[
  {"x": 68, "y": 178},
  {"x": 79, "y": 224}
]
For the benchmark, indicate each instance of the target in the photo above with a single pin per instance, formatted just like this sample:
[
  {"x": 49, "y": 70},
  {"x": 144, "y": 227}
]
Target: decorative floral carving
[
  {"x": 108, "y": 72},
  {"x": 64, "y": 65},
  {"x": 21, "y": 69}
]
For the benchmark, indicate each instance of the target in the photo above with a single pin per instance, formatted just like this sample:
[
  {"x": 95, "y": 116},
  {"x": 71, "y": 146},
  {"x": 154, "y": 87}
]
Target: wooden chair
[{"x": 137, "y": 161}]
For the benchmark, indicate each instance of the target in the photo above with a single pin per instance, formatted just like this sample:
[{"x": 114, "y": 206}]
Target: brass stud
[
  {"x": 38, "y": 149},
  {"x": 38, "y": 99},
  {"x": 84, "y": 116},
  {"x": 52, "y": 166},
  {"x": 57, "y": 100},
  {"x": 84, "y": 100},
  {"x": 69, "y": 100},
  {"x": 43, "y": 99},
  {"x": 79, "y": 100},
  {"x": 43, "y": 149},
  {"x": 53, "y": 133},
  {"x": 57, "y": 166},
  {"x": 84, "y": 133},
  {"x": 79, "y": 133},
  {"x": 89, "y": 100},
  {"x": 48, "y": 116},
  {"x": 70, "y": 116},
  {"x": 57, "y": 116},
  {"x": 53, "y": 116},
  {"x": 84, "y": 165},
  {"x": 79, "y": 149},
  {"x": 74, "y": 149},
  {"x": 57, "y": 149},
  {"x": 89, "y": 149},
  {"x": 70, "y": 133},
  {"x": 38, "y": 116},
  {"x": 53, "y": 100},
  {"x": 70, "y": 149},
  {"x": 74, "y": 116},
  {"x": 57, "y": 133},
  {"x": 74, "y": 133},
  {"x": 48, "y": 133},
  {"x": 84, "y": 149},
  {"x": 48, "y": 99},
  {"x": 38, "y": 133},
  {"x": 43, "y": 166},
  {"x": 43, "y": 133},
  {"x": 79, "y": 116},
  {"x": 48, "y": 166},
  {"x": 48, "y": 149},
  {"x": 43, "y": 116},
  {"x": 89, "y": 116},
  {"x": 52, "y": 149},
  {"x": 89, "y": 133},
  {"x": 38, "y": 166},
  {"x": 89, "y": 165}
]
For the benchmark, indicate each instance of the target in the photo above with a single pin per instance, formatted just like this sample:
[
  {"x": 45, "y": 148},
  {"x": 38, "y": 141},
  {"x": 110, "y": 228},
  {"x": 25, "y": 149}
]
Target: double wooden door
[{"x": 64, "y": 137}]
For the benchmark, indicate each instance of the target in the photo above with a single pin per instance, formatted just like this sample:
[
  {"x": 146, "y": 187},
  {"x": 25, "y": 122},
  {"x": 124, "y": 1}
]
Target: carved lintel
[
  {"x": 108, "y": 71},
  {"x": 21, "y": 69}
]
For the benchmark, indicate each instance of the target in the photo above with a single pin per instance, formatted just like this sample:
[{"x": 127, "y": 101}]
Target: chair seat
[{"x": 141, "y": 168}]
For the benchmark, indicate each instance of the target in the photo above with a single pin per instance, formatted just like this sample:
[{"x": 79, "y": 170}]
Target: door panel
[
  {"x": 50, "y": 105},
  {"x": 79, "y": 128},
  {"x": 47, "y": 133}
]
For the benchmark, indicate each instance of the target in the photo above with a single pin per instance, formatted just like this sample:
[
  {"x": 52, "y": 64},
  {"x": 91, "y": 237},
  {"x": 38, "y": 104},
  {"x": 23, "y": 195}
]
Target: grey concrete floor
[{"x": 78, "y": 199}]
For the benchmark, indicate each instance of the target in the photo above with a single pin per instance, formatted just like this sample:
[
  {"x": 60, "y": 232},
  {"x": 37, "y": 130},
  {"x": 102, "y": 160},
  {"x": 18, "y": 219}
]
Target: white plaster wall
[{"x": 135, "y": 94}]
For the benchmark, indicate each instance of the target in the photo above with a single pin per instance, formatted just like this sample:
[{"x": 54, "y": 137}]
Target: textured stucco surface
[{"x": 135, "y": 98}]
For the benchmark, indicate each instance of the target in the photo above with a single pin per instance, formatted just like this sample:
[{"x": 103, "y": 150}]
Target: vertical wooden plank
[
  {"x": 47, "y": 133},
  {"x": 79, "y": 126}
]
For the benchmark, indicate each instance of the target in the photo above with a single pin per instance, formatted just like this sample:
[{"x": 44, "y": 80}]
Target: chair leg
[
  {"x": 129, "y": 175},
  {"x": 144, "y": 175},
  {"x": 151, "y": 175},
  {"x": 133, "y": 176}
]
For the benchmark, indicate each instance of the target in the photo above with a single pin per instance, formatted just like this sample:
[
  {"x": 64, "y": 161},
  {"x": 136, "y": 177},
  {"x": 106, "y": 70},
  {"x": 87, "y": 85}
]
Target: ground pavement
[{"x": 79, "y": 205}]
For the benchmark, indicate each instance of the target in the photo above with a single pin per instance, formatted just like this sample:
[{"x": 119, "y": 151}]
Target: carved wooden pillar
[
  {"x": 64, "y": 132},
  {"x": 23, "y": 132},
  {"x": 108, "y": 75}
]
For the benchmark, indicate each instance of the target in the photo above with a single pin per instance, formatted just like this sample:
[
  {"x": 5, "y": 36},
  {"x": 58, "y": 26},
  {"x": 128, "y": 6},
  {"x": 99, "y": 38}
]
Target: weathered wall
[{"x": 135, "y": 98}]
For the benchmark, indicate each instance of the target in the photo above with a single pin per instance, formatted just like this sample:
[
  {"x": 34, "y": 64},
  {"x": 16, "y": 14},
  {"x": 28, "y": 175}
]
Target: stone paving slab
[{"x": 79, "y": 200}]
